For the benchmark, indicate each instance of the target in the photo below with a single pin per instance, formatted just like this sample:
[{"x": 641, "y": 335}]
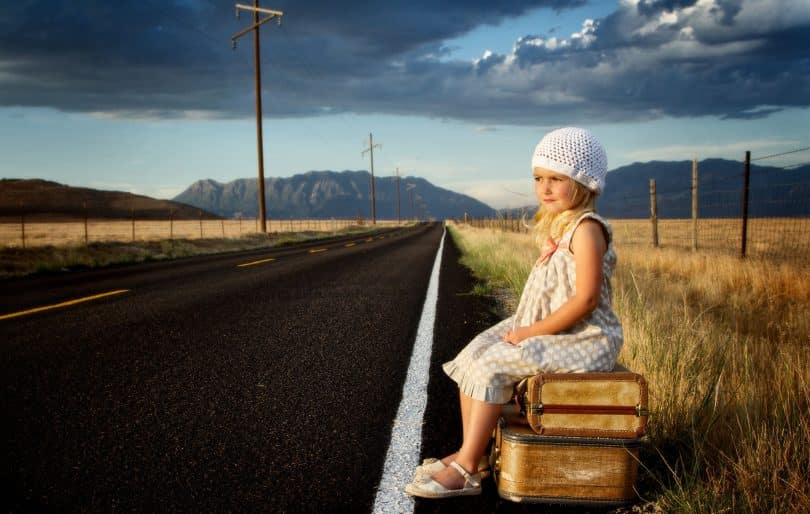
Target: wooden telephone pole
[
  {"x": 410, "y": 188},
  {"x": 271, "y": 14},
  {"x": 370, "y": 149},
  {"x": 398, "y": 217}
]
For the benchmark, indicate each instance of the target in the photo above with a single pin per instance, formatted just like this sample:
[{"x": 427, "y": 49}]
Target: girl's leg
[
  {"x": 465, "y": 404},
  {"x": 482, "y": 419}
]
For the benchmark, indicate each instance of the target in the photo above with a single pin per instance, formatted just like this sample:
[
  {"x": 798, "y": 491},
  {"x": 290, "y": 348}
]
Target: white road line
[{"x": 406, "y": 434}]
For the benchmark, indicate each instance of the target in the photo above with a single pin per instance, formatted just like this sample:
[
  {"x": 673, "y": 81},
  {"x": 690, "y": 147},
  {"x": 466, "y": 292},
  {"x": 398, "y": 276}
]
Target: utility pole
[
  {"x": 410, "y": 188},
  {"x": 271, "y": 14},
  {"x": 397, "y": 196},
  {"x": 370, "y": 149}
]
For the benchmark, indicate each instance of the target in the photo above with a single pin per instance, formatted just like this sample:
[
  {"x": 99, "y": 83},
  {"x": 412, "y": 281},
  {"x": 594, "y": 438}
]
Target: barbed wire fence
[
  {"x": 760, "y": 208},
  {"x": 27, "y": 231}
]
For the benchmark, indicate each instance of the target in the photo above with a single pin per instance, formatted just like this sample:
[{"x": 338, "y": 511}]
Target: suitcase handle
[{"x": 538, "y": 409}]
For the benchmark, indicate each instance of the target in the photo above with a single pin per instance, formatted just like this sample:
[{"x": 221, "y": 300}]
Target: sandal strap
[{"x": 469, "y": 478}]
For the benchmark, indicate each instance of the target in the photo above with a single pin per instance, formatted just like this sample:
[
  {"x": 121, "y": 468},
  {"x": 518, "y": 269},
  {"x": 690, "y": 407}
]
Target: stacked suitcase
[{"x": 572, "y": 438}]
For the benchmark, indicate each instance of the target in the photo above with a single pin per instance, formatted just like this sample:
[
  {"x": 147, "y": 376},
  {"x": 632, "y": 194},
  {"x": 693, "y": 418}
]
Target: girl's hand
[{"x": 513, "y": 337}]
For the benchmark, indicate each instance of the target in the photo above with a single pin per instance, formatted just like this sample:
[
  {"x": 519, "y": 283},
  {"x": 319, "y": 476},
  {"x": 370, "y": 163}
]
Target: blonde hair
[{"x": 547, "y": 225}]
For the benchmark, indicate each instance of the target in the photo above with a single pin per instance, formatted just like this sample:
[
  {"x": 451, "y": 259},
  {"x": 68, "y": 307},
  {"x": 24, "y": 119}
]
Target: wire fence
[
  {"x": 22, "y": 232},
  {"x": 760, "y": 208}
]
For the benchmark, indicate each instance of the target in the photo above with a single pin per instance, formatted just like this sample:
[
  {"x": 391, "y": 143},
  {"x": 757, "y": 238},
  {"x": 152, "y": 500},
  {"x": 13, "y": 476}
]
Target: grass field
[
  {"x": 766, "y": 237},
  {"x": 725, "y": 346},
  {"x": 29, "y": 234},
  {"x": 772, "y": 238},
  {"x": 19, "y": 261}
]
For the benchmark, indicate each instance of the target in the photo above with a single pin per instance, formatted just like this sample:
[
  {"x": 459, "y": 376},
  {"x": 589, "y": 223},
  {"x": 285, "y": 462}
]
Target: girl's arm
[{"x": 588, "y": 245}]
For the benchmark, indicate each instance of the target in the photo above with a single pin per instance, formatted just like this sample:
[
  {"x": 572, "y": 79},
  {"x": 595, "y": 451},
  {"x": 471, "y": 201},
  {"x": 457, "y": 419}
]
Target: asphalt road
[{"x": 210, "y": 386}]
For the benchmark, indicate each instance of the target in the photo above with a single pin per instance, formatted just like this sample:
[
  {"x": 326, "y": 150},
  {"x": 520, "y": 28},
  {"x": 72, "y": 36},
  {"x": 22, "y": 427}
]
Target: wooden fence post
[
  {"x": 746, "y": 179},
  {"x": 22, "y": 224},
  {"x": 85, "y": 223},
  {"x": 694, "y": 204},
  {"x": 653, "y": 213}
]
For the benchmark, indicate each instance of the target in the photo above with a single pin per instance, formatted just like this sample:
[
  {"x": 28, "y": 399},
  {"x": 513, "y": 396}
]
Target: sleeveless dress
[{"x": 488, "y": 367}]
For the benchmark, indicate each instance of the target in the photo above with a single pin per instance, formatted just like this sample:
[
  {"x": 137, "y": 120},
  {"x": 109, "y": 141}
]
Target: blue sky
[{"x": 148, "y": 96}]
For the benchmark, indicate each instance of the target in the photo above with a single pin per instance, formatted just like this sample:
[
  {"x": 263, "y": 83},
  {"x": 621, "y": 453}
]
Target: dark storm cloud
[
  {"x": 727, "y": 58},
  {"x": 163, "y": 57},
  {"x": 654, "y": 7}
]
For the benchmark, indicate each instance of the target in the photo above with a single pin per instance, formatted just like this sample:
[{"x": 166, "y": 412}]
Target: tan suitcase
[
  {"x": 528, "y": 467},
  {"x": 611, "y": 404}
]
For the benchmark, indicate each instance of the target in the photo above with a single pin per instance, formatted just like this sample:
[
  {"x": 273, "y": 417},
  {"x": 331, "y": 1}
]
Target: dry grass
[
  {"x": 18, "y": 261},
  {"x": 725, "y": 346},
  {"x": 771, "y": 238},
  {"x": 766, "y": 237},
  {"x": 65, "y": 233}
]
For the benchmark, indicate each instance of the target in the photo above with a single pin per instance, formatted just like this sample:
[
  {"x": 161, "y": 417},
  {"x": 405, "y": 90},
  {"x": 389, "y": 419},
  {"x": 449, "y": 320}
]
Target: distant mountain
[
  {"x": 44, "y": 199},
  {"x": 773, "y": 192},
  {"x": 330, "y": 194}
]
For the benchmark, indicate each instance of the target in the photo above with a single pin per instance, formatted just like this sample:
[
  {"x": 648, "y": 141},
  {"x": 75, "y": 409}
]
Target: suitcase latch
[
  {"x": 642, "y": 411},
  {"x": 537, "y": 409}
]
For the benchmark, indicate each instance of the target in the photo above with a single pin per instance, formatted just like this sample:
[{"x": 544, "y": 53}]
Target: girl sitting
[{"x": 563, "y": 322}]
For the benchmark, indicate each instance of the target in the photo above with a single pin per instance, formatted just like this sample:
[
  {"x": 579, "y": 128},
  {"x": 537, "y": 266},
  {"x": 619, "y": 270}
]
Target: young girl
[{"x": 563, "y": 322}]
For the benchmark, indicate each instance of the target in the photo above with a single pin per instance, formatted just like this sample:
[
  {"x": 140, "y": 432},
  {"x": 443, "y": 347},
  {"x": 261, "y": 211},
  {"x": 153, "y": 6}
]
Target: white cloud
[
  {"x": 157, "y": 115},
  {"x": 734, "y": 150},
  {"x": 160, "y": 191},
  {"x": 500, "y": 193}
]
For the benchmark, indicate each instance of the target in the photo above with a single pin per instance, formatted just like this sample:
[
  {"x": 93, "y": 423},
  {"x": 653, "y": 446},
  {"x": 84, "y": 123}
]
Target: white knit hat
[{"x": 573, "y": 152}]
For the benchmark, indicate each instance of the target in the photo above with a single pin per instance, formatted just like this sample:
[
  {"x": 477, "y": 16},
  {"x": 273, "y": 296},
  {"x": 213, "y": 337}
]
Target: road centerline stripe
[
  {"x": 318, "y": 250},
  {"x": 406, "y": 434},
  {"x": 349, "y": 245},
  {"x": 62, "y": 304},
  {"x": 255, "y": 262}
]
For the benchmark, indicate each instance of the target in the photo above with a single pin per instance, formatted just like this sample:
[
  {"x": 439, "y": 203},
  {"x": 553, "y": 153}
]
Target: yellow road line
[
  {"x": 369, "y": 239},
  {"x": 318, "y": 250},
  {"x": 254, "y": 263},
  {"x": 348, "y": 245},
  {"x": 63, "y": 304}
]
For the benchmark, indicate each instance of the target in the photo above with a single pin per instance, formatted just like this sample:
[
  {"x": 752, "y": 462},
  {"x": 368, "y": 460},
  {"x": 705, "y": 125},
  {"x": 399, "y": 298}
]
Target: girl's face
[{"x": 555, "y": 192}]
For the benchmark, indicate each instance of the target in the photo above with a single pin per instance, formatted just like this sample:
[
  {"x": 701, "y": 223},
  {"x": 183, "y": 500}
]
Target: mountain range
[
  {"x": 44, "y": 199},
  {"x": 330, "y": 194},
  {"x": 774, "y": 192}
]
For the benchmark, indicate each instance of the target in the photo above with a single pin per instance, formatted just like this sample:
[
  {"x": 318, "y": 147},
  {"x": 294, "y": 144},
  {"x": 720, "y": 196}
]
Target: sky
[{"x": 149, "y": 96}]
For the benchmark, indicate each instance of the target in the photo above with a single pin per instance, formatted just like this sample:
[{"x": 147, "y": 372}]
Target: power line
[
  {"x": 370, "y": 149},
  {"x": 781, "y": 154},
  {"x": 217, "y": 43},
  {"x": 796, "y": 165}
]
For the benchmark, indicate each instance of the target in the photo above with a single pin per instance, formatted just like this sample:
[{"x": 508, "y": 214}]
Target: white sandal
[
  {"x": 430, "y": 467},
  {"x": 433, "y": 489}
]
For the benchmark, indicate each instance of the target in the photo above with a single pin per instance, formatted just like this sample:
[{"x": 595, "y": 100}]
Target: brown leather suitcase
[
  {"x": 610, "y": 404},
  {"x": 534, "y": 468}
]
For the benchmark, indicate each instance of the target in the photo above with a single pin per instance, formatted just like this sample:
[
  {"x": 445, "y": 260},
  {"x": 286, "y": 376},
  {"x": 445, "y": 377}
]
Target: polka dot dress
[{"x": 488, "y": 368}]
